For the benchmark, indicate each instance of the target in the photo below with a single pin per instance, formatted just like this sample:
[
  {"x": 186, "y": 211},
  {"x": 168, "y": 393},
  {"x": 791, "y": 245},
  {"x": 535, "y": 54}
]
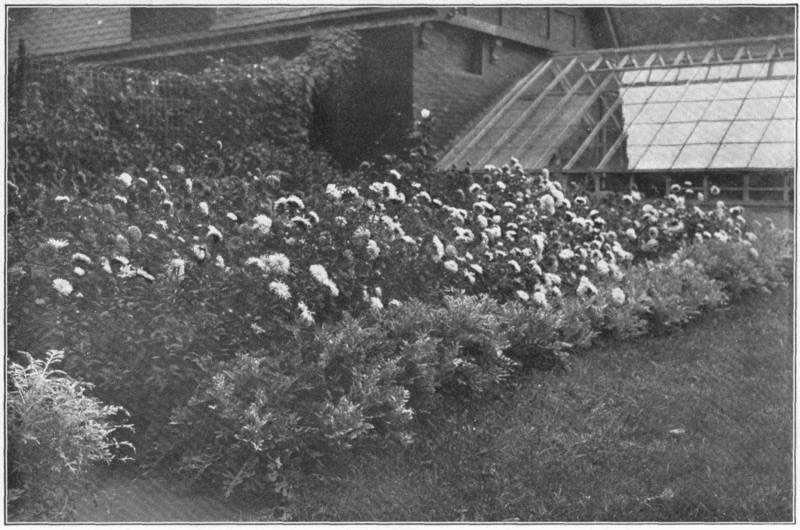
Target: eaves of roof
[{"x": 272, "y": 31}]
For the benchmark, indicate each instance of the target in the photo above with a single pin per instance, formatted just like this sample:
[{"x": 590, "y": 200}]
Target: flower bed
[{"x": 250, "y": 322}]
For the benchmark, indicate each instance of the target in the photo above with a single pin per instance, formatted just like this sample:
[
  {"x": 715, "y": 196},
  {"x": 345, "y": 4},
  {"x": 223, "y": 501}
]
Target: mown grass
[{"x": 696, "y": 425}]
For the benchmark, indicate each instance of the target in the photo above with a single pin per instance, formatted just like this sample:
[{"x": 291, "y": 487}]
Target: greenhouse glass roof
[{"x": 714, "y": 105}]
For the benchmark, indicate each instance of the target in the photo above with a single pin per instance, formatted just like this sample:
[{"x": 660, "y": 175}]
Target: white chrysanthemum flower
[
  {"x": 585, "y": 287},
  {"x": 142, "y": 181},
  {"x": 83, "y": 258},
  {"x": 62, "y": 286},
  {"x": 470, "y": 276},
  {"x": 603, "y": 267},
  {"x": 262, "y": 223},
  {"x": 200, "y": 252},
  {"x": 203, "y": 207},
  {"x": 451, "y": 265},
  {"x": 121, "y": 199},
  {"x": 566, "y": 253},
  {"x": 125, "y": 179},
  {"x": 425, "y": 114},
  {"x": 714, "y": 190},
  {"x": 477, "y": 268},
  {"x": 62, "y": 198},
  {"x": 395, "y": 174},
  {"x": 232, "y": 216},
  {"x": 277, "y": 263},
  {"x": 373, "y": 250},
  {"x": 630, "y": 233},
  {"x": 306, "y": 316},
  {"x": 189, "y": 184},
  {"x": 219, "y": 261},
  {"x": 280, "y": 289},
  {"x": 395, "y": 303},
  {"x": 79, "y": 271},
  {"x": 618, "y": 296},
  {"x": 515, "y": 266},
  {"x": 523, "y": 295},
  {"x": 57, "y": 244}
]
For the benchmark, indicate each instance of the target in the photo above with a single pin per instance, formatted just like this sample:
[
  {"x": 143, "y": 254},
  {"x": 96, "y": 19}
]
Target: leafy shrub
[
  {"x": 55, "y": 433},
  {"x": 674, "y": 290}
]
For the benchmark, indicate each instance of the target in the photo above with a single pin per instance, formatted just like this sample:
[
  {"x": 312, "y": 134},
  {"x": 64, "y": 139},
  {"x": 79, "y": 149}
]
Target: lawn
[{"x": 694, "y": 425}]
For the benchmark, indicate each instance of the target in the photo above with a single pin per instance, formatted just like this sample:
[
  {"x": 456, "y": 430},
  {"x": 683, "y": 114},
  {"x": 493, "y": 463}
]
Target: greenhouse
[{"x": 722, "y": 112}]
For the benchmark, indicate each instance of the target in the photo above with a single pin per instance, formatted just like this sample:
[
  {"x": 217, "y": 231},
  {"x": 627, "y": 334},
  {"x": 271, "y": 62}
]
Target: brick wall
[
  {"x": 49, "y": 30},
  {"x": 455, "y": 96}
]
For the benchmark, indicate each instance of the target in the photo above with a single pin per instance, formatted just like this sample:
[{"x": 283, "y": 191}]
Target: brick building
[{"x": 453, "y": 61}]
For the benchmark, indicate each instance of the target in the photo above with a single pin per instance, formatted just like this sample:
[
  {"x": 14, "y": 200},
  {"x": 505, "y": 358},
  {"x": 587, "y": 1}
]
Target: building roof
[{"x": 709, "y": 105}]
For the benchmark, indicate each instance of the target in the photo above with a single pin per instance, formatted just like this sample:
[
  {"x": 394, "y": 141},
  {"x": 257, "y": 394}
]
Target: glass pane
[
  {"x": 642, "y": 133},
  {"x": 701, "y": 92},
  {"x": 723, "y": 71},
  {"x": 783, "y": 68},
  {"x": 667, "y": 93},
  {"x": 745, "y": 131},
  {"x": 635, "y": 152},
  {"x": 786, "y": 108},
  {"x": 709, "y": 132},
  {"x": 658, "y": 157},
  {"x": 673, "y": 133},
  {"x": 734, "y": 89},
  {"x": 723, "y": 110},
  {"x": 688, "y": 111},
  {"x": 757, "y": 109},
  {"x": 768, "y": 89},
  {"x": 629, "y": 112},
  {"x": 791, "y": 88},
  {"x": 733, "y": 155},
  {"x": 655, "y": 112},
  {"x": 638, "y": 94},
  {"x": 693, "y": 73},
  {"x": 629, "y": 77},
  {"x": 695, "y": 156},
  {"x": 754, "y": 70},
  {"x": 780, "y": 131},
  {"x": 774, "y": 155}
]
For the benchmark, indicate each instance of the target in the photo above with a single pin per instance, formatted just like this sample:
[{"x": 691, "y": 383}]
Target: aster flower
[
  {"x": 523, "y": 295},
  {"x": 395, "y": 174},
  {"x": 262, "y": 224},
  {"x": 585, "y": 287},
  {"x": 438, "y": 249},
  {"x": 280, "y": 289},
  {"x": 57, "y": 244},
  {"x": 125, "y": 179},
  {"x": 214, "y": 234},
  {"x": 547, "y": 204},
  {"x": 232, "y": 216},
  {"x": 477, "y": 268},
  {"x": 714, "y": 190},
  {"x": 167, "y": 205},
  {"x": 301, "y": 222},
  {"x": 514, "y": 265},
  {"x": 203, "y": 206},
  {"x": 176, "y": 269},
  {"x": 425, "y": 114},
  {"x": 603, "y": 268},
  {"x": 200, "y": 252},
  {"x": 219, "y": 261},
  {"x": 63, "y": 287},
  {"x": 451, "y": 265},
  {"x": 306, "y": 316},
  {"x": 162, "y": 224},
  {"x": 105, "y": 265},
  {"x": 540, "y": 298},
  {"x": 121, "y": 199},
  {"x": 189, "y": 184},
  {"x": 79, "y": 271},
  {"x": 375, "y": 303},
  {"x": 277, "y": 263},
  {"x": 551, "y": 279},
  {"x": 566, "y": 254},
  {"x": 630, "y": 233},
  {"x": 373, "y": 250},
  {"x": 83, "y": 258}
]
